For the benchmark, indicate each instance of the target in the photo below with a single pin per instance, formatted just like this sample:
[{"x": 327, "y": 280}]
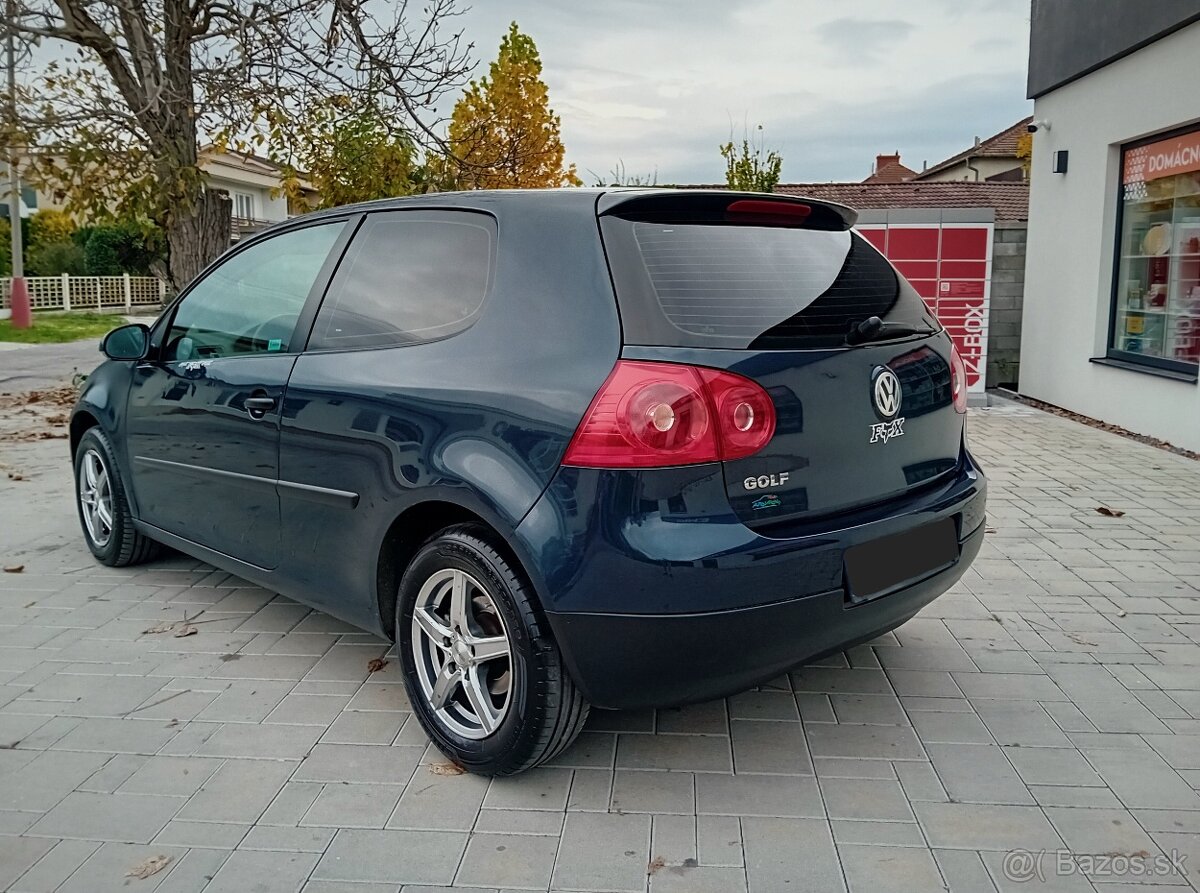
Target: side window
[
  {"x": 408, "y": 277},
  {"x": 250, "y": 303}
]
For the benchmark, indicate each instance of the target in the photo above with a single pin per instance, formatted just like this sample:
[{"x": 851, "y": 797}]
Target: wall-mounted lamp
[{"x": 1060, "y": 161}]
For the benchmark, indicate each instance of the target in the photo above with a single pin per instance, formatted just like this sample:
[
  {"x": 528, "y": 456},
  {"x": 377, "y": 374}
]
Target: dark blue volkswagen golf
[{"x": 615, "y": 448}]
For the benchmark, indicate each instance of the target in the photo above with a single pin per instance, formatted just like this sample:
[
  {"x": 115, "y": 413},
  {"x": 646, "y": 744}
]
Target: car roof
[{"x": 596, "y": 198}]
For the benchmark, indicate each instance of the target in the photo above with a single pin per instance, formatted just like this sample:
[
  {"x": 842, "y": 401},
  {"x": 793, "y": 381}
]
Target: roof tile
[{"x": 1010, "y": 200}]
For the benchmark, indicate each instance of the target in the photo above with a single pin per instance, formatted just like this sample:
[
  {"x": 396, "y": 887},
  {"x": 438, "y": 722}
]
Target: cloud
[{"x": 864, "y": 38}]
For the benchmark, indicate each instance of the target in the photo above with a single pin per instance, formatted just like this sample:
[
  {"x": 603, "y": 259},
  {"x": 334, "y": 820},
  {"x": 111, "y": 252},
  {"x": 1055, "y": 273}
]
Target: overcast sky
[{"x": 658, "y": 84}]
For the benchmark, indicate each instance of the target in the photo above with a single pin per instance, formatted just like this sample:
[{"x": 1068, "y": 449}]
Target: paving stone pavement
[{"x": 1049, "y": 702}]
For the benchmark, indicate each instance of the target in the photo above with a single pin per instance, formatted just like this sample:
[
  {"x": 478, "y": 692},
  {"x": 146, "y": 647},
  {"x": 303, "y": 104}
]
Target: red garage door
[{"x": 950, "y": 266}]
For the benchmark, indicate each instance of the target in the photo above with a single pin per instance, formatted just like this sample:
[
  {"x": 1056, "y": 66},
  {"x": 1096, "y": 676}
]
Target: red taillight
[
  {"x": 648, "y": 415},
  {"x": 958, "y": 380}
]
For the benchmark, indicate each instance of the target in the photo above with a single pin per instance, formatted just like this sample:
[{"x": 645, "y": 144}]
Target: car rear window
[
  {"x": 408, "y": 277},
  {"x": 759, "y": 287}
]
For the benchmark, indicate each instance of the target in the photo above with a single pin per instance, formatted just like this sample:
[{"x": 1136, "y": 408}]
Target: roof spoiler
[{"x": 726, "y": 206}]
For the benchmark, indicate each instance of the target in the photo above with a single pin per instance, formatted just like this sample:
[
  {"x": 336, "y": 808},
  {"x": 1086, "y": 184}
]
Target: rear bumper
[
  {"x": 656, "y": 598},
  {"x": 634, "y": 660}
]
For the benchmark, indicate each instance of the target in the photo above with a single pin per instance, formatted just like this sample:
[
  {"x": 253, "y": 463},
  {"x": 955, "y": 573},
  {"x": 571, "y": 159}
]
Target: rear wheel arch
[{"x": 415, "y": 526}]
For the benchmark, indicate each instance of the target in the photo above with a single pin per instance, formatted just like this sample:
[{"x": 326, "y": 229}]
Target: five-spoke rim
[
  {"x": 95, "y": 498},
  {"x": 462, "y": 653}
]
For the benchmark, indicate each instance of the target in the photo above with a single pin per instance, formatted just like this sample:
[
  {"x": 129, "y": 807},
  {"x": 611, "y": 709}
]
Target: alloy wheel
[
  {"x": 95, "y": 498},
  {"x": 462, "y": 653}
]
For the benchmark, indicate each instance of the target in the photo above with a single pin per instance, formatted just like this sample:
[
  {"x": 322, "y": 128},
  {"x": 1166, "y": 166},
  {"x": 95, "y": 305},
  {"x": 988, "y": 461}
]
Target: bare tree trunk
[{"x": 196, "y": 235}]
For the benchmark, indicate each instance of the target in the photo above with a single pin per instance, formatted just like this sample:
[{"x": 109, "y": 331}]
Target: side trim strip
[
  {"x": 311, "y": 492},
  {"x": 324, "y": 495}
]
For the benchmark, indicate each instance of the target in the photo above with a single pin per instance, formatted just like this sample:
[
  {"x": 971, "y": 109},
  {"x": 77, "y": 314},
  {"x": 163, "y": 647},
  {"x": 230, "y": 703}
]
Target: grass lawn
[{"x": 57, "y": 327}]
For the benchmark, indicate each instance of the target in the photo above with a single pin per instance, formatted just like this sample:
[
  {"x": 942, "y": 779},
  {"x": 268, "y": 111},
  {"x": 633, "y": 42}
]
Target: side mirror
[{"x": 130, "y": 342}]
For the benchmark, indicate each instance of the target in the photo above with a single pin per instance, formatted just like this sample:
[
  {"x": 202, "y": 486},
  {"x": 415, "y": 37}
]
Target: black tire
[
  {"x": 124, "y": 545},
  {"x": 545, "y": 711}
]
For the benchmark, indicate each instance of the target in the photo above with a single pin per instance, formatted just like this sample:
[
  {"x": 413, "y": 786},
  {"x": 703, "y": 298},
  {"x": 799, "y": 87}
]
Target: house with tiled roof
[
  {"x": 888, "y": 169},
  {"x": 1009, "y": 201},
  {"x": 993, "y": 159}
]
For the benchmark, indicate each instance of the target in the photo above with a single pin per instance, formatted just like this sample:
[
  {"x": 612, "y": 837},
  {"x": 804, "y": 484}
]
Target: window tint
[
  {"x": 760, "y": 287},
  {"x": 250, "y": 303},
  {"x": 408, "y": 277}
]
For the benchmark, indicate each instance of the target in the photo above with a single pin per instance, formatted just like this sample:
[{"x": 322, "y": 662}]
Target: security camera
[{"x": 1037, "y": 124}]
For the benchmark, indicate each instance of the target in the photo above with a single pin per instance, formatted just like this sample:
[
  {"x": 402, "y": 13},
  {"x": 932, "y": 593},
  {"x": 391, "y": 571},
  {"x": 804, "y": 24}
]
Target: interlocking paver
[
  {"x": 986, "y": 827},
  {"x": 977, "y": 773},
  {"x": 18, "y": 854},
  {"x": 896, "y": 869},
  {"x": 1051, "y": 699},
  {"x": 107, "y": 870},
  {"x": 508, "y": 860},
  {"x": 262, "y": 872},
  {"x": 127, "y": 818},
  {"x": 757, "y": 795},
  {"x": 787, "y": 854},
  {"x": 353, "y": 806},
  {"x": 55, "y": 867},
  {"x": 680, "y": 753},
  {"x": 865, "y": 799},
  {"x": 359, "y": 764},
  {"x": 441, "y": 802},
  {"x": 401, "y": 857},
  {"x": 239, "y": 791},
  {"x": 603, "y": 853}
]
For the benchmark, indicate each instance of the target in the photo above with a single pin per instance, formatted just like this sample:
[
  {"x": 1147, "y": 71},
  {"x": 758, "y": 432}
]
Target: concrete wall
[
  {"x": 1008, "y": 298},
  {"x": 1072, "y": 223}
]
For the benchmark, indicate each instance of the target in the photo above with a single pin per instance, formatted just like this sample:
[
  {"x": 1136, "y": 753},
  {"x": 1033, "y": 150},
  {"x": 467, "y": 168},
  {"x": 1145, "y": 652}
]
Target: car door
[
  {"x": 379, "y": 391},
  {"x": 203, "y": 410}
]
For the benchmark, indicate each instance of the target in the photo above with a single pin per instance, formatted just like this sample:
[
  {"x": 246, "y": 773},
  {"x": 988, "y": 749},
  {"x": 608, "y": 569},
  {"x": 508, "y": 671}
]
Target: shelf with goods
[{"x": 1157, "y": 292}]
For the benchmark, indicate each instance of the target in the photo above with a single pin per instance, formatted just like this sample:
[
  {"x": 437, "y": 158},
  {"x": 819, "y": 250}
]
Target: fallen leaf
[
  {"x": 1120, "y": 613},
  {"x": 657, "y": 864},
  {"x": 13, "y": 568},
  {"x": 151, "y": 865},
  {"x": 1109, "y": 513},
  {"x": 446, "y": 769},
  {"x": 185, "y": 629},
  {"x": 16, "y": 476},
  {"x": 376, "y": 664},
  {"x": 163, "y": 626}
]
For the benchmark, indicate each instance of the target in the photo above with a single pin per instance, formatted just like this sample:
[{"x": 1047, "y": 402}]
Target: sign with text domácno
[{"x": 1166, "y": 158}]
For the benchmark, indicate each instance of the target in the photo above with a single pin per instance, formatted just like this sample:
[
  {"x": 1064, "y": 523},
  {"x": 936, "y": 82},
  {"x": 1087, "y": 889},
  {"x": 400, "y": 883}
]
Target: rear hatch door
[{"x": 783, "y": 292}]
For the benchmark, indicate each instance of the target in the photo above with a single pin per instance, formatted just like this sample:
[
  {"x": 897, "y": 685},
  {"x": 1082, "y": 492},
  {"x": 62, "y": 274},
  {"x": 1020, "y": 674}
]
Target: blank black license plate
[{"x": 878, "y": 566}]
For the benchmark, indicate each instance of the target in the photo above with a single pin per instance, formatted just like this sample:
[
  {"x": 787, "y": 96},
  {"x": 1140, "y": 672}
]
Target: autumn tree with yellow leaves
[{"x": 503, "y": 134}]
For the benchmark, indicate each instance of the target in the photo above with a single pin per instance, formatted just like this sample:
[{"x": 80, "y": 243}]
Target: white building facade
[{"x": 1111, "y": 325}]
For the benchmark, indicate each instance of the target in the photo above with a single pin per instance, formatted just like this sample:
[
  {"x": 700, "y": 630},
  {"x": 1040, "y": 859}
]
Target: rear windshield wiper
[{"x": 875, "y": 329}]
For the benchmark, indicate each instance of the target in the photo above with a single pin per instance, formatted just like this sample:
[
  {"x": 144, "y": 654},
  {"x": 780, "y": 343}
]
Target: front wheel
[
  {"x": 103, "y": 505},
  {"x": 483, "y": 673}
]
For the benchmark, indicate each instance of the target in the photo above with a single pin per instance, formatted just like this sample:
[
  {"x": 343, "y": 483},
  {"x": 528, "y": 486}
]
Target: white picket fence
[{"x": 67, "y": 292}]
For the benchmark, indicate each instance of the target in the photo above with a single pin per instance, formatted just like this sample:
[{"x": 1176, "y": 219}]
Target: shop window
[{"x": 1156, "y": 295}]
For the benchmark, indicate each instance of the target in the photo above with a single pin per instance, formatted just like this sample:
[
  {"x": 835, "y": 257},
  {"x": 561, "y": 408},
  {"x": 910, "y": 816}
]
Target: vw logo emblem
[{"x": 885, "y": 389}]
